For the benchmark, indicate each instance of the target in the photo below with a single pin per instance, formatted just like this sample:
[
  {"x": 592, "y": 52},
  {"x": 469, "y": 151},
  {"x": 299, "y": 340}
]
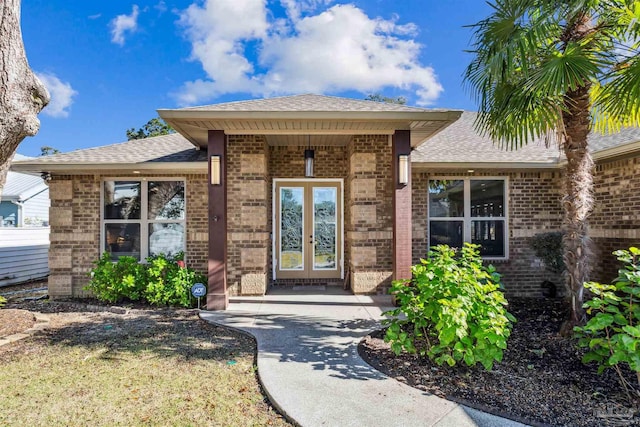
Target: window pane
[
  {"x": 487, "y": 198},
  {"x": 121, "y": 200},
  {"x": 166, "y": 200},
  {"x": 167, "y": 239},
  {"x": 446, "y": 198},
  {"x": 324, "y": 228},
  {"x": 291, "y": 228},
  {"x": 446, "y": 233},
  {"x": 490, "y": 236},
  {"x": 122, "y": 239}
]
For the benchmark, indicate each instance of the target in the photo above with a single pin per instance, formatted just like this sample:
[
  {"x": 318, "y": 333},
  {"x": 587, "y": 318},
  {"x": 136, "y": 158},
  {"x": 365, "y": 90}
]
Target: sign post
[{"x": 198, "y": 291}]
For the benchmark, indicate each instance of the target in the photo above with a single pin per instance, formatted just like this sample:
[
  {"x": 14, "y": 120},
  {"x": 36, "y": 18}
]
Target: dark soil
[{"x": 541, "y": 380}]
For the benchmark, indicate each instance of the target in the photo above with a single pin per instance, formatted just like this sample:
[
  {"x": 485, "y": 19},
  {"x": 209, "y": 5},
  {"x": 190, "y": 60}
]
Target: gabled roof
[
  {"x": 461, "y": 146},
  {"x": 307, "y": 115},
  {"x": 307, "y": 102},
  {"x": 141, "y": 154},
  {"x": 457, "y": 146}
]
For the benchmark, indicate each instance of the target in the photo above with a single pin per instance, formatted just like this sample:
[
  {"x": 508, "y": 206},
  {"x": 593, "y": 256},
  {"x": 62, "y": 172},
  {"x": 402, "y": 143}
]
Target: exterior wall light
[
  {"x": 403, "y": 169},
  {"x": 308, "y": 163},
  {"x": 215, "y": 171}
]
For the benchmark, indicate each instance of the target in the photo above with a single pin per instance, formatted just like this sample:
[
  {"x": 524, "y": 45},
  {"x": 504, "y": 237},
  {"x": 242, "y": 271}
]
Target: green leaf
[
  {"x": 591, "y": 357},
  {"x": 634, "y": 331}
]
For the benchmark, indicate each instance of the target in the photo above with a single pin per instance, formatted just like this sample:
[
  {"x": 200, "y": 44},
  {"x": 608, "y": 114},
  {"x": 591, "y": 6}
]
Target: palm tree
[{"x": 552, "y": 70}]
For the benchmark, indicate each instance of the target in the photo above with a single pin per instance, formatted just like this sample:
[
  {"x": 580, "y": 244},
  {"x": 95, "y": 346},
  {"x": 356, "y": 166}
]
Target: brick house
[{"x": 315, "y": 189}]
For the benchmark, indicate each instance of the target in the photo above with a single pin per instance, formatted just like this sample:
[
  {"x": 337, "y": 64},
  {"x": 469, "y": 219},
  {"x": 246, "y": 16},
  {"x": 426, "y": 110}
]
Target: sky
[{"x": 109, "y": 65}]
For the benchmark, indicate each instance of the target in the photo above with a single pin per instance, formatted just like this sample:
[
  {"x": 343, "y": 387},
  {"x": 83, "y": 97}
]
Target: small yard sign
[{"x": 198, "y": 291}]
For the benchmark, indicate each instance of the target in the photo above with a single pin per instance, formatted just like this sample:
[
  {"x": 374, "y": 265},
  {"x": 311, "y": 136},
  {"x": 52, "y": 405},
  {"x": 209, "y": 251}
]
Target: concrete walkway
[{"x": 309, "y": 365}]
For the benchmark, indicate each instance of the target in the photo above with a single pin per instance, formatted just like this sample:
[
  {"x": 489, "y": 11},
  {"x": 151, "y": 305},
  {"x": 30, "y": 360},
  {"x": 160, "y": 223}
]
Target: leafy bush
[
  {"x": 451, "y": 311},
  {"x": 548, "y": 247},
  {"x": 162, "y": 281},
  {"x": 113, "y": 282},
  {"x": 170, "y": 281},
  {"x": 612, "y": 335},
  {"x": 3, "y": 301}
]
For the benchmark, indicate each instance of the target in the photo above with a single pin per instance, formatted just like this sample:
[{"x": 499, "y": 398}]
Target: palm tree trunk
[{"x": 578, "y": 199}]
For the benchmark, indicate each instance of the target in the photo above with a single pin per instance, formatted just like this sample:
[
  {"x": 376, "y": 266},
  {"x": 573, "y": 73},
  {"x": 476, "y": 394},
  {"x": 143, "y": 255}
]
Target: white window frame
[
  {"x": 144, "y": 221},
  {"x": 467, "y": 219}
]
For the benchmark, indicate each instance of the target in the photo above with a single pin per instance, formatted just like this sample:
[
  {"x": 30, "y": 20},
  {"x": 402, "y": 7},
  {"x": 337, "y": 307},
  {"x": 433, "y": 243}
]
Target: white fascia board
[
  {"x": 484, "y": 165},
  {"x": 75, "y": 168},
  {"x": 408, "y": 116}
]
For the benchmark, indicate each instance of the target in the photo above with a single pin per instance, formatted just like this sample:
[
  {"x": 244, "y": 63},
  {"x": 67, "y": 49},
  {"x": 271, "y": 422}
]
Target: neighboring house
[
  {"x": 25, "y": 200},
  {"x": 24, "y": 231},
  {"x": 234, "y": 189}
]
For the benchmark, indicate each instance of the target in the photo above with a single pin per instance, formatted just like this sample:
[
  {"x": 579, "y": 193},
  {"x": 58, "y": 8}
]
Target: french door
[{"x": 308, "y": 229}]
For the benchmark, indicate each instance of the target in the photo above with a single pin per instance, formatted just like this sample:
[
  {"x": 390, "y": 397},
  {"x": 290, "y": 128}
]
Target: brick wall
[
  {"x": 288, "y": 162},
  {"x": 75, "y": 232},
  {"x": 369, "y": 231},
  {"x": 248, "y": 201},
  {"x": 534, "y": 207},
  {"x": 615, "y": 222},
  {"x": 75, "y": 228}
]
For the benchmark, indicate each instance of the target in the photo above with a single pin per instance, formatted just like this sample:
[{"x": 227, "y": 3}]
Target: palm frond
[
  {"x": 563, "y": 71},
  {"x": 517, "y": 117},
  {"x": 616, "y": 102}
]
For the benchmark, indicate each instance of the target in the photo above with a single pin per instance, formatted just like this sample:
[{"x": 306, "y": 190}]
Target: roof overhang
[
  {"x": 195, "y": 124},
  {"x": 440, "y": 166},
  {"x": 91, "y": 168}
]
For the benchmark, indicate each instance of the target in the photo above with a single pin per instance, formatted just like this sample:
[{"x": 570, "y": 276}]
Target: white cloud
[
  {"x": 122, "y": 24},
  {"x": 337, "y": 49},
  {"x": 161, "y": 6},
  {"x": 61, "y": 95}
]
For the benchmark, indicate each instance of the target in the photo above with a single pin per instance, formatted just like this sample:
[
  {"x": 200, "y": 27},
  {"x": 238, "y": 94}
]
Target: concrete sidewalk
[{"x": 309, "y": 365}]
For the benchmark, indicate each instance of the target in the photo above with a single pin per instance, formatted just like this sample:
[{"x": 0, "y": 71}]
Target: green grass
[{"x": 155, "y": 370}]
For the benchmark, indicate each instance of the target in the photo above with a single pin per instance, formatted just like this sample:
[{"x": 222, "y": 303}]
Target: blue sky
[{"x": 110, "y": 64}]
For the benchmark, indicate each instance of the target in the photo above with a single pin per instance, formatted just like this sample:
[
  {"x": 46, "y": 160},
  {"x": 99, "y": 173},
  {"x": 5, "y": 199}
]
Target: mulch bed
[
  {"x": 541, "y": 380},
  {"x": 13, "y": 321}
]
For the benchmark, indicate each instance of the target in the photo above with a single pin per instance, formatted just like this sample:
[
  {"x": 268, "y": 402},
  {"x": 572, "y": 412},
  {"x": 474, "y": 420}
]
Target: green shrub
[
  {"x": 115, "y": 281},
  {"x": 170, "y": 281},
  {"x": 612, "y": 334},
  {"x": 3, "y": 301},
  {"x": 548, "y": 247},
  {"x": 164, "y": 280},
  {"x": 451, "y": 311}
]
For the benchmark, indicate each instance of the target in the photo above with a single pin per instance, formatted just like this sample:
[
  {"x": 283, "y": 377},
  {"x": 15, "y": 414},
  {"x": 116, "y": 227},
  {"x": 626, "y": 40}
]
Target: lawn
[{"x": 140, "y": 368}]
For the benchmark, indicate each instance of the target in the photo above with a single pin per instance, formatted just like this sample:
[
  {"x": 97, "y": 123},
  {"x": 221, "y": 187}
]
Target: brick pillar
[
  {"x": 401, "y": 209},
  {"x": 218, "y": 296}
]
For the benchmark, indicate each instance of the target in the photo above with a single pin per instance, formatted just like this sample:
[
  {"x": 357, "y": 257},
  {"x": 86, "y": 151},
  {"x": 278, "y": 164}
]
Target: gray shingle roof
[
  {"x": 599, "y": 142},
  {"x": 460, "y": 143},
  {"x": 308, "y": 102},
  {"x": 160, "y": 149}
]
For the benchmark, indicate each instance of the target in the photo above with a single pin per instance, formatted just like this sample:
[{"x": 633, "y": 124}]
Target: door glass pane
[
  {"x": 167, "y": 239},
  {"x": 446, "y": 198},
  {"x": 487, "y": 198},
  {"x": 446, "y": 233},
  {"x": 166, "y": 200},
  {"x": 490, "y": 236},
  {"x": 324, "y": 228},
  {"x": 122, "y": 200},
  {"x": 122, "y": 239},
  {"x": 291, "y": 228}
]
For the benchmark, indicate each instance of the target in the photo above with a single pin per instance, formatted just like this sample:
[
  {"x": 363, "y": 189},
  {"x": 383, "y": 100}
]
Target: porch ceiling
[{"x": 283, "y": 128}]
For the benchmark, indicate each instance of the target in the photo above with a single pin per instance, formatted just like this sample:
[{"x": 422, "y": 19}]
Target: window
[
  {"x": 143, "y": 218},
  {"x": 469, "y": 210}
]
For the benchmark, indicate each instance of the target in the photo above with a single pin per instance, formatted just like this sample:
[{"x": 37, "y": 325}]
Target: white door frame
[{"x": 274, "y": 223}]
